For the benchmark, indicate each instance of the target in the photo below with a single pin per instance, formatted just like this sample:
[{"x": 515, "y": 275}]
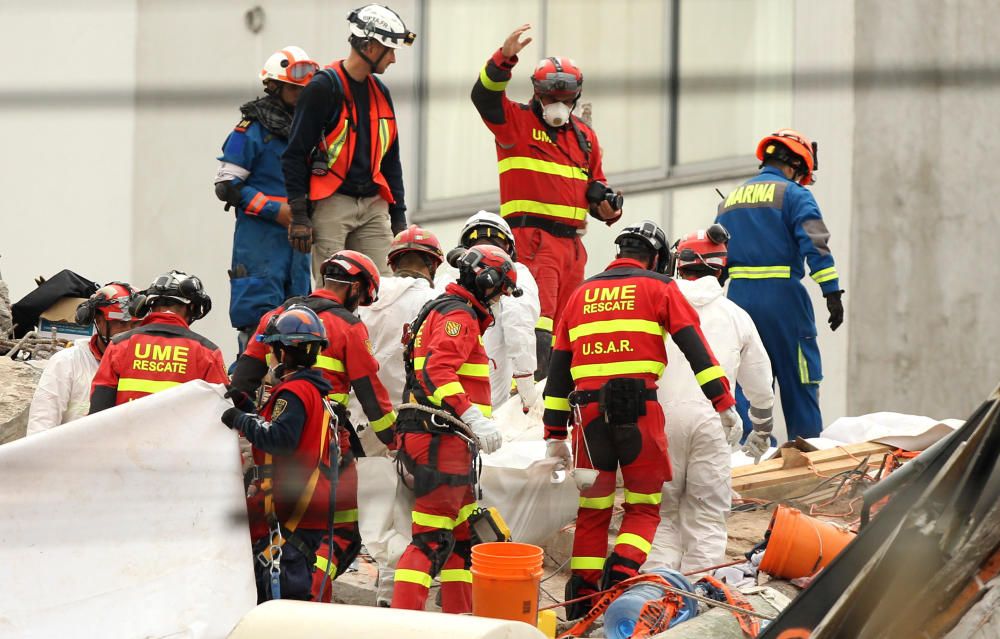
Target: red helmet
[
  {"x": 705, "y": 247},
  {"x": 111, "y": 301},
  {"x": 351, "y": 265},
  {"x": 415, "y": 239},
  {"x": 797, "y": 145},
  {"x": 558, "y": 78},
  {"x": 486, "y": 267}
]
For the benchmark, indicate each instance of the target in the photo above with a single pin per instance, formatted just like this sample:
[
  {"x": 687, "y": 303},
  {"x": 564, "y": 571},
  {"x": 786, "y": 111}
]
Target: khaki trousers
[{"x": 358, "y": 224}]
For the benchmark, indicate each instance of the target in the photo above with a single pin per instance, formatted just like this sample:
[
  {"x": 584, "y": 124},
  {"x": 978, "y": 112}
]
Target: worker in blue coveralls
[
  {"x": 266, "y": 270},
  {"x": 775, "y": 225}
]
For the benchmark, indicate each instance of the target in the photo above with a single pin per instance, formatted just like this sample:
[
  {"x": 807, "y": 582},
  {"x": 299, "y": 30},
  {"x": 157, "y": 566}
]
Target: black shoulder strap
[
  {"x": 337, "y": 91},
  {"x": 582, "y": 140}
]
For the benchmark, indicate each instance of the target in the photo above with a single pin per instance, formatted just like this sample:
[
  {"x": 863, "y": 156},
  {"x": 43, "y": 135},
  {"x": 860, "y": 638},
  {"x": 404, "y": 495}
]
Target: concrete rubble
[{"x": 17, "y": 387}]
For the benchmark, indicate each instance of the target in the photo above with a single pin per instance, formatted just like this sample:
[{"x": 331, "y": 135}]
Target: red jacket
[
  {"x": 614, "y": 325},
  {"x": 540, "y": 177},
  {"x": 450, "y": 366},
  {"x": 160, "y": 354},
  {"x": 347, "y": 361}
]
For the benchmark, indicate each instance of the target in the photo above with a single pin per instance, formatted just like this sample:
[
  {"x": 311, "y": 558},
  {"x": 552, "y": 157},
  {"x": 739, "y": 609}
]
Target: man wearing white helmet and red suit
[
  {"x": 342, "y": 168},
  {"x": 692, "y": 530},
  {"x": 265, "y": 270}
]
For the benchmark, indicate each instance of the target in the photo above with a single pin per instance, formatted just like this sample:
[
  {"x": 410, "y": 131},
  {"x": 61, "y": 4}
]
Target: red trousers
[
  {"x": 346, "y": 536},
  {"x": 556, "y": 263},
  {"x": 440, "y": 546},
  {"x": 641, "y": 452}
]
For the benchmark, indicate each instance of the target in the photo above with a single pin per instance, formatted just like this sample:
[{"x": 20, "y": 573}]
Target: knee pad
[
  {"x": 445, "y": 540},
  {"x": 577, "y": 586},
  {"x": 618, "y": 568}
]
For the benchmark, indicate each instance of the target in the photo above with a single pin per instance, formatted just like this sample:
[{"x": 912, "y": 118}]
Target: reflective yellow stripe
[
  {"x": 598, "y": 503},
  {"x": 543, "y": 208},
  {"x": 345, "y": 516},
  {"x": 465, "y": 512},
  {"x": 643, "y": 498},
  {"x": 383, "y": 422},
  {"x": 544, "y": 324},
  {"x": 455, "y": 574},
  {"x": 340, "y": 398},
  {"x": 383, "y": 135},
  {"x": 449, "y": 389},
  {"x": 333, "y": 150},
  {"x": 432, "y": 521},
  {"x": 825, "y": 275},
  {"x": 760, "y": 272},
  {"x": 474, "y": 370},
  {"x": 131, "y": 384},
  {"x": 329, "y": 364},
  {"x": 485, "y": 409},
  {"x": 618, "y": 368},
  {"x": 710, "y": 373},
  {"x": 405, "y": 575},
  {"x": 322, "y": 563},
  {"x": 803, "y": 368},
  {"x": 418, "y": 363},
  {"x": 557, "y": 403},
  {"x": 615, "y": 326},
  {"x": 635, "y": 541},
  {"x": 586, "y": 563},
  {"x": 542, "y": 166},
  {"x": 490, "y": 84}
]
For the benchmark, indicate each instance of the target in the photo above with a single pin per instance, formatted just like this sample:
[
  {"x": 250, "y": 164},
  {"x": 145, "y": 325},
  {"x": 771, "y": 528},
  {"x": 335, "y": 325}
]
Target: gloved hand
[
  {"x": 300, "y": 231},
  {"x": 230, "y": 416},
  {"x": 485, "y": 429},
  {"x": 241, "y": 399},
  {"x": 732, "y": 425},
  {"x": 558, "y": 448},
  {"x": 836, "y": 308},
  {"x": 757, "y": 444},
  {"x": 526, "y": 390},
  {"x": 543, "y": 352}
]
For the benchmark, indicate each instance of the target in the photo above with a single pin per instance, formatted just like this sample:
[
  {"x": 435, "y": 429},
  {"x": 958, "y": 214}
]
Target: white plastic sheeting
[{"x": 128, "y": 523}]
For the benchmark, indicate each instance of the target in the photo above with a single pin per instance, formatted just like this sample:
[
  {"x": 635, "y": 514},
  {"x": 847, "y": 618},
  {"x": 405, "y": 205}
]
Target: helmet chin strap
[{"x": 373, "y": 65}]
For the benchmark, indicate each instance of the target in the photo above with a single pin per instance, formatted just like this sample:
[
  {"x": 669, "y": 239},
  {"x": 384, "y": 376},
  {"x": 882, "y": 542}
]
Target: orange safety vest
[{"x": 339, "y": 143}]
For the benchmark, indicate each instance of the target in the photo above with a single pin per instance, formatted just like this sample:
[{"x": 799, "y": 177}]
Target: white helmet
[
  {"x": 291, "y": 65},
  {"x": 382, "y": 24},
  {"x": 488, "y": 225}
]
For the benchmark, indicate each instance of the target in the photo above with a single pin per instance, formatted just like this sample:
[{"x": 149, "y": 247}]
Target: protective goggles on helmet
[
  {"x": 301, "y": 71},
  {"x": 558, "y": 82}
]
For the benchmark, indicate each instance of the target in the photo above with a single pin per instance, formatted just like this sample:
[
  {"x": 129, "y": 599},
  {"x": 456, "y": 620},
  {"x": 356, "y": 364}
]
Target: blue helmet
[{"x": 297, "y": 325}]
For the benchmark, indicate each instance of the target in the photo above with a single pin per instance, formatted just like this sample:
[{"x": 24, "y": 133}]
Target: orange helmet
[
  {"x": 350, "y": 266},
  {"x": 704, "y": 250},
  {"x": 485, "y": 267},
  {"x": 558, "y": 78},
  {"x": 415, "y": 239},
  {"x": 112, "y": 302},
  {"x": 795, "y": 145}
]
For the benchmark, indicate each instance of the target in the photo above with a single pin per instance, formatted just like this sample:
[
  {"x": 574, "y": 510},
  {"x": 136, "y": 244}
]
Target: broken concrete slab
[{"x": 17, "y": 386}]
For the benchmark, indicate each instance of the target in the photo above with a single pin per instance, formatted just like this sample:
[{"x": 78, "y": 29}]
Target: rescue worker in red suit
[
  {"x": 609, "y": 354},
  {"x": 163, "y": 351},
  {"x": 448, "y": 371},
  {"x": 351, "y": 280},
  {"x": 291, "y": 449},
  {"x": 551, "y": 175}
]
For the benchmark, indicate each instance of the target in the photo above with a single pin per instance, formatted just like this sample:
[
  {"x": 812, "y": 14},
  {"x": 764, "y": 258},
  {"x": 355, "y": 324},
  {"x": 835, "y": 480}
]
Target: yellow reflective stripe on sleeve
[
  {"x": 617, "y": 368},
  {"x": 340, "y": 398},
  {"x": 455, "y": 574},
  {"x": 345, "y": 516},
  {"x": 418, "y": 363},
  {"x": 710, "y": 373},
  {"x": 615, "y": 326},
  {"x": 383, "y": 422},
  {"x": 474, "y": 370},
  {"x": 485, "y": 409},
  {"x": 542, "y": 166},
  {"x": 760, "y": 272},
  {"x": 133, "y": 385},
  {"x": 556, "y": 403},
  {"x": 383, "y": 135},
  {"x": 643, "y": 498},
  {"x": 405, "y": 575},
  {"x": 598, "y": 503},
  {"x": 330, "y": 364},
  {"x": 432, "y": 521},
  {"x": 447, "y": 390},
  {"x": 630, "y": 539},
  {"x": 825, "y": 275},
  {"x": 492, "y": 85},
  {"x": 465, "y": 512},
  {"x": 586, "y": 563},
  {"x": 542, "y": 208},
  {"x": 544, "y": 324}
]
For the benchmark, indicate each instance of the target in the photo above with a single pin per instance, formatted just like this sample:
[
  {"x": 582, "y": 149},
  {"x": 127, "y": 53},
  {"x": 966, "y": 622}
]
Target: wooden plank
[
  {"x": 841, "y": 452},
  {"x": 828, "y": 468}
]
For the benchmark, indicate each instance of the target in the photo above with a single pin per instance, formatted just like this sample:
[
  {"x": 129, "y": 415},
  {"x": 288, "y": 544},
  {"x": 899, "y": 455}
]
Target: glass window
[{"x": 735, "y": 76}]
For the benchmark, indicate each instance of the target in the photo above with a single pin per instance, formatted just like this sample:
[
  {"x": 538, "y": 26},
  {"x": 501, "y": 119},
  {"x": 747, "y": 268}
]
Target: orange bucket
[
  {"x": 800, "y": 545},
  {"x": 505, "y": 578}
]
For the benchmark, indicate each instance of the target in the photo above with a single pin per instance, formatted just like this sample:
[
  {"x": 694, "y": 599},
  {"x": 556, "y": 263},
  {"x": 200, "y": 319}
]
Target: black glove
[
  {"x": 836, "y": 308},
  {"x": 230, "y": 416},
  {"x": 397, "y": 219},
  {"x": 543, "y": 352},
  {"x": 300, "y": 230},
  {"x": 241, "y": 399},
  {"x": 228, "y": 192}
]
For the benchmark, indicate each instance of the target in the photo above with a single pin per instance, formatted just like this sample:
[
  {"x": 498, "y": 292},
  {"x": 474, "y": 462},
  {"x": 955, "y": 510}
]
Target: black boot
[{"x": 578, "y": 587}]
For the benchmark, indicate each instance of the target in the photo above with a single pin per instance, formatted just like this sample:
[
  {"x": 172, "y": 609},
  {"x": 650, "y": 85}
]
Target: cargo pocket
[
  {"x": 810, "y": 368},
  {"x": 249, "y": 299}
]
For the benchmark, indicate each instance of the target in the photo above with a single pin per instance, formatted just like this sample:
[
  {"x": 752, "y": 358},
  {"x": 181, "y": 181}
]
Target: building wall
[{"x": 924, "y": 311}]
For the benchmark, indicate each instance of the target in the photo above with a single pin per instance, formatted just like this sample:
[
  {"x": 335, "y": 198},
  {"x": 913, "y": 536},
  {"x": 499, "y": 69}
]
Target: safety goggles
[
  {"x": 301, "y": 71},
  {"x": 558, "y": 82}
]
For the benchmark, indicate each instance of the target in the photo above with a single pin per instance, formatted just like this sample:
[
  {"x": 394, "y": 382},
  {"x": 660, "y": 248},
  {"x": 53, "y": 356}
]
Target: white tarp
[{"x": 128, "y": 523}]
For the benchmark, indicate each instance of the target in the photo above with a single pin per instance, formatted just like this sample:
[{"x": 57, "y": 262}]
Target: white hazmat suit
[{"x": 63, "y": 391}]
